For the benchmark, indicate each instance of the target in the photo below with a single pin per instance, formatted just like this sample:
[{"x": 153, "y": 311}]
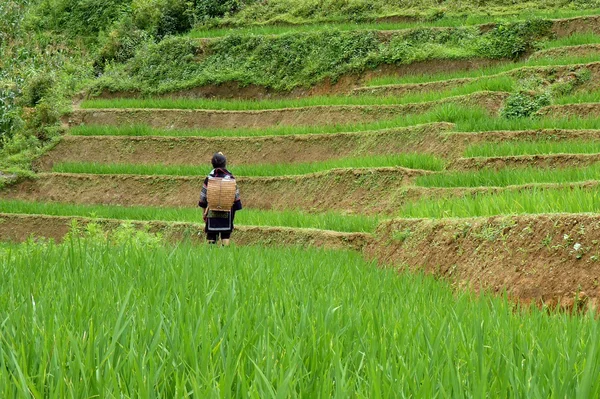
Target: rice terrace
[{"x": 415, "y": 187}]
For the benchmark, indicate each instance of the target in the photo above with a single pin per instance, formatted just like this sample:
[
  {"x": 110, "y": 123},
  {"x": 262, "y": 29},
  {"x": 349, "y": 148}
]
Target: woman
[{"x": 219, "y": 222}]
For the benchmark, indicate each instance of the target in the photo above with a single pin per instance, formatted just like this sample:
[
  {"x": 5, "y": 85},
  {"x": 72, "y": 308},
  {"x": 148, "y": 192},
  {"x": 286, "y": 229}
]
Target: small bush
[
  {"x": 524, "y": 103},
  {"x": 161, "y": 18},
  {"x": 207, "y": 9},
  {"x": 512, "y": 40},
  {"x": 119, "y": 45},
  {"x": 38, "y": 87},
  {"x": 10, "y": 116}
]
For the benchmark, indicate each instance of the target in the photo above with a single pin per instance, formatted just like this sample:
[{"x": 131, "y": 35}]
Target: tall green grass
[
  {"x": 576, "y": 39},
  {"x": 89, "y": 319},
  {"x": 447, "y": 21},
  {"x": 579, "y": 97},
  {"x": 251, "y": 217},
  {"x": 412, "y": 161},
  {"x": 496, "y": 83},
  {"x": 534, "y": 200},
  {"x": 537, "y": 147},
  {"x": 482, "y": 72},
  {"x": 507, "y": 177}
]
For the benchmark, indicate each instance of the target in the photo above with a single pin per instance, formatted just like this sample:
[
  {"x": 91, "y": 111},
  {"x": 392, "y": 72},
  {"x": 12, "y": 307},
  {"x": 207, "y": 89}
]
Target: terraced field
[
  {"x": 414, "y": 165},
  {"x": 461, "y": 146}
]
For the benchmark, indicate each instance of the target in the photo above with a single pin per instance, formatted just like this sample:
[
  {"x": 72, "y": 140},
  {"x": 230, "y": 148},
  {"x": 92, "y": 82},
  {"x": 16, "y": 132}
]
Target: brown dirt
[
  {"x": 572, "y": 51},
  {"x": 354, "y": 191},
  {"x": 569, "y": 26},
  {"x": 345, "y": 84},
  {"x": 19, "y": 228},
  {"x": 530, "y": 256},
  {"x": 242, "y": 151},
  {"x": 412, "y": 88},
  {"x": 584, "y": 110},
  {"x": 536, "y": 161},
  {"x": 306, "y": 116}
]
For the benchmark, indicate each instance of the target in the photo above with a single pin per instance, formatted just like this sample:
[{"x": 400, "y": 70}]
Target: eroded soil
[{"x": 551, "y": 259}]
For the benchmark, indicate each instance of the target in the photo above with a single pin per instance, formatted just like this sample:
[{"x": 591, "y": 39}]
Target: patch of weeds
[
  {"x": 547, "y": 240},
  {"x": 402, "y": 235}
]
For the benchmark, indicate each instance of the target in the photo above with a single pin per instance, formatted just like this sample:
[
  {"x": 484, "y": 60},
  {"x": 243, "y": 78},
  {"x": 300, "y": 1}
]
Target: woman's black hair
[{"x": 218, "y": 160}]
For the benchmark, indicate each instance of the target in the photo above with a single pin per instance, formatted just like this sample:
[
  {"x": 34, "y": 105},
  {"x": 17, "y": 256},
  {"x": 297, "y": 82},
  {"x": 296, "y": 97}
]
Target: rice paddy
[
  {"x": 535, "y": 147},
  {"x": 122, "y": 313},
  {"x": 466, "y": 119},
  {"x": 509, "y": 177},
  {"x": 94, "y": 317},
  {"x": 248, "y": 217},
  {"x": 412, "y": 161},
  {"x": 534, "y": 200},
  {"x": 495, "y": 83}
]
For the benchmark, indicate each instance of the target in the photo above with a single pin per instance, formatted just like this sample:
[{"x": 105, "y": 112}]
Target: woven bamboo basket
[{"x": 221, "y": 193}]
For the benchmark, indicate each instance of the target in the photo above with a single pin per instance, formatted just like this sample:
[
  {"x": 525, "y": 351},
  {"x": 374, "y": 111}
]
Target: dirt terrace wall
[
  {"x": 19, "y": 228},
  {"x": 540, "y": 258},
  {"x": 586, "y": 110},
  {"x": 356, "y": 191},
  {"x": 241, "y": 151},
  {"x": 306, "y": 116},
  {"x": 522, "y": 161}
]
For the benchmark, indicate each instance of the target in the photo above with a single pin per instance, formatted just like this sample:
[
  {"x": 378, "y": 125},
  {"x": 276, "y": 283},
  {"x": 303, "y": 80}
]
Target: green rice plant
[
  {"x": 412, "y": 161},
  {"x": 495, "y": 83},
  {"x": 482, "y": 72},
  {"x": 537, "y": 147},
  {"x": 89, "y": 319},
  {"x": 508, "y": 177},
  {"x": 579, "y": 97},
  {"x": 251, "y": 217},
  {"x": 488, "y": 124},
  {"x": 576, "y": 39},
  {"x": 530, "y": 201}
]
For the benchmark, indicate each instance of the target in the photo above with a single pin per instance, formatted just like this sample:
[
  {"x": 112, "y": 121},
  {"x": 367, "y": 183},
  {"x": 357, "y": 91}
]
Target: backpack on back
[{"x": 220, "y": 193}]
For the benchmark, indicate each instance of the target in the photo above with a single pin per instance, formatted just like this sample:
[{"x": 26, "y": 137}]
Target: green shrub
[
  {"x": 78, "y": 17},
  {"x": 119, "y": 45},
  {"x": 206, "y": 9},
  {"x": 37, "y": 88},
  {"x": 524, "y": 103},
  {"x": 512, "y": 40}
]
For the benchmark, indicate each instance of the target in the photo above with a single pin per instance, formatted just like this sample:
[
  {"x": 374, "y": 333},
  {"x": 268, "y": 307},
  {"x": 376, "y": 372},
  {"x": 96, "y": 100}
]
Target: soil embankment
[
  {"x": 305, "y": 116},
  {"x": 551, "y": 259},
  {"x": 534, "y": 161},
  {"x": 20, "y": 227},
  {"x": 244, "y": 150},
  {"x": 353, "y": 190}
]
